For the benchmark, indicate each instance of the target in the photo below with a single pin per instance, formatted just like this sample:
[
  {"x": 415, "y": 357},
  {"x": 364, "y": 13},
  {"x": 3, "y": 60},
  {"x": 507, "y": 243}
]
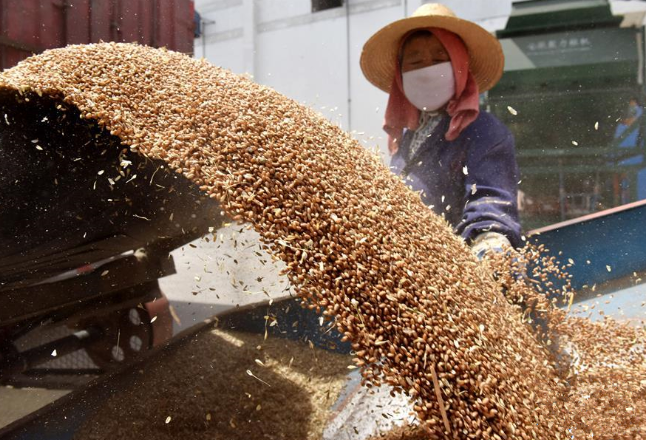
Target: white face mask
[{"x": 429, "y": 88}]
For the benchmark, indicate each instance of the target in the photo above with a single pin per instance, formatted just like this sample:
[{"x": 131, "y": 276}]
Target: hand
[
  {"x": 487, "y": 242},
  {"x": 494, "y": 244}
]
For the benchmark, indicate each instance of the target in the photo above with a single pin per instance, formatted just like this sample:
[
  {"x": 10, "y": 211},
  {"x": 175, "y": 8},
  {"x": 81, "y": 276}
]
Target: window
[{"x": 322, "y": 5}]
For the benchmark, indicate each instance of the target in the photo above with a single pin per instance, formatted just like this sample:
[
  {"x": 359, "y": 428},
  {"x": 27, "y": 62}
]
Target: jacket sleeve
[{"x": 490, "y": 192}]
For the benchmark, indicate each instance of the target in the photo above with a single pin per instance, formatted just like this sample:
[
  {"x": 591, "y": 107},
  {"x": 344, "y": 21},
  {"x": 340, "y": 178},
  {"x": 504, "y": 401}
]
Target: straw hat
[{"x": 486, "y": 60}]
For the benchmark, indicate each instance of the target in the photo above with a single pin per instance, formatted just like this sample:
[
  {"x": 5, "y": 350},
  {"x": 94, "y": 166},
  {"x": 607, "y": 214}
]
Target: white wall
[
  {"x": 307, "y": 62},
  {"x": 306, "y": 56},
  {"x": 367, "y": 102}
]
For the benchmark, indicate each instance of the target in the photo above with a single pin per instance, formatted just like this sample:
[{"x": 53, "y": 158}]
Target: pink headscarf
[{"x": 463, "y": 107}]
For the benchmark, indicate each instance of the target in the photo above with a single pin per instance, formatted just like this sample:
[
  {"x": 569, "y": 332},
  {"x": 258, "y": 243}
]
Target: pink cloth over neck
[{"x": 463, "y": 108}]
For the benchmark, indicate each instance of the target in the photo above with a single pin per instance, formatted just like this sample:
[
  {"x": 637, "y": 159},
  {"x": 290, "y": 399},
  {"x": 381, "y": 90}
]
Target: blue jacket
[{"x": 486, "y": 149}]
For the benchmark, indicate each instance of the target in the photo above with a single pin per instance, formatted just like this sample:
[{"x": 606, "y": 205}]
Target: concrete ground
[
  {"x": 219, "y": 271},
  {"x": 18, "y": 402}
]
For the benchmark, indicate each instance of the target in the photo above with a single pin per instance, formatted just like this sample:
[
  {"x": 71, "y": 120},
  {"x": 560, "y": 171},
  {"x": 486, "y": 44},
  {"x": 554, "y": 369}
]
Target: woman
[{"x": 462, "y": 160}]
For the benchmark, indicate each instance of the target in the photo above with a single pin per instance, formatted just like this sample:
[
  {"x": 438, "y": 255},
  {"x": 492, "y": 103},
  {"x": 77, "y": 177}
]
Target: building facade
[{"x": 309, "y": 50}]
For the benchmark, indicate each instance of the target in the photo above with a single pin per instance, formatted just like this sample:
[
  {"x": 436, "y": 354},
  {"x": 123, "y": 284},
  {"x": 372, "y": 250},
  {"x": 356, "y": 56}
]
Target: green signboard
[{"x": 590, "y": 46}]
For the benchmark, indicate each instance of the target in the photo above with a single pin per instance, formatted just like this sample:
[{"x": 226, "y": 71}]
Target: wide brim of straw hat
[{"x": 486, "y": 59}]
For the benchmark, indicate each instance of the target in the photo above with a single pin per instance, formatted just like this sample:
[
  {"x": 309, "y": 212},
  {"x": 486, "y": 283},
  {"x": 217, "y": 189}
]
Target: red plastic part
[{"x": 163, "y": 324}]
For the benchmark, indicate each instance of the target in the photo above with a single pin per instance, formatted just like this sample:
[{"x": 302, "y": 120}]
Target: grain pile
[
  {"x": 203, "y": 390},
  {"x": 607, "y": 359},
  {"x": 609, "y": 399},
  {"x": 422, "y": 314}
]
